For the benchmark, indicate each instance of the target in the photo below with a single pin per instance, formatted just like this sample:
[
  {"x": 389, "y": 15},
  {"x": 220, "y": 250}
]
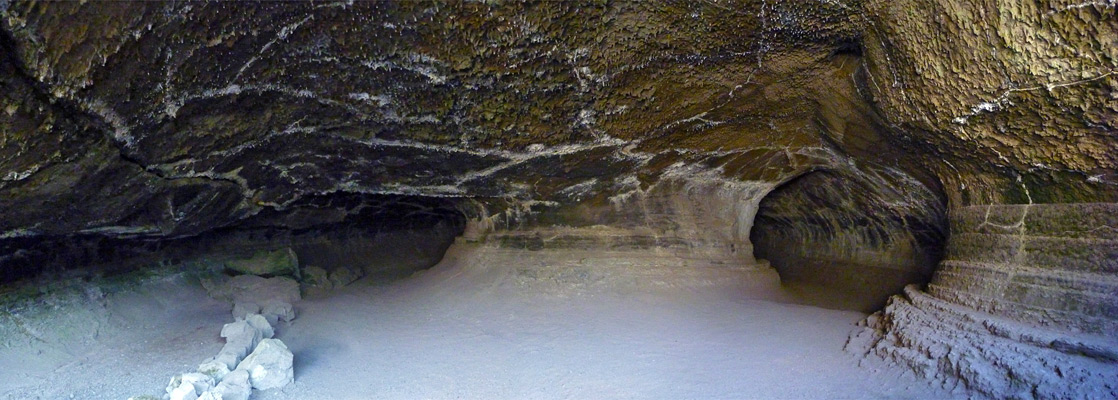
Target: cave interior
[{"x": 711, "y": 199}]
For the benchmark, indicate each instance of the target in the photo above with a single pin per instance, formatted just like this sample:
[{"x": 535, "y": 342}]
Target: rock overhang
[{"x": 212, "y": 113}]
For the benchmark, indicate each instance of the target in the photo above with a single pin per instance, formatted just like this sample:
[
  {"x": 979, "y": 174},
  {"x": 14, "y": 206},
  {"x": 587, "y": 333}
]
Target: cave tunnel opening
[{"x": 849, "y": 241}]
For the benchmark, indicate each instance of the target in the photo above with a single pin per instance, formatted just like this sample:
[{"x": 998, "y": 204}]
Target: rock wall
[
  {"x": 689, "y": 228},
  {"x": 1022, "y": 306},
  {"x": 1052, "y": 265},
  {"x": 1012, "y": 105}
]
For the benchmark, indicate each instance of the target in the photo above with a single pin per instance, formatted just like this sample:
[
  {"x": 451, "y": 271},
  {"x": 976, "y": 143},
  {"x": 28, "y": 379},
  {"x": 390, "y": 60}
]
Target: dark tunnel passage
[
  {"x": 851, "y": 241},
  {"x": 385, "y": 236}
]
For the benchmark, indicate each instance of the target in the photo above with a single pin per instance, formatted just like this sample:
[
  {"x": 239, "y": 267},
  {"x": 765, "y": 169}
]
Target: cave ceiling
[{"x": 168, "y": 119}]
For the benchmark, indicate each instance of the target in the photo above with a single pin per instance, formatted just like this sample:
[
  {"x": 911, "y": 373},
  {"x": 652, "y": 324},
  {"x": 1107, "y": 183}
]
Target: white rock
[
  {"x": 175, "y": 382},
  {"x": 235, "y": 386},
  {"x": 193, "y": 383},
  {"x": 278, "y": 311},
  {"x": 241, "y": 337},
  {"x": 201, "y": 382},
  {"x": 261, "y": 324},
  {"x": 244, "y": 309},
  {"x": 185, "y": 391},
  {"x": 209, "y": 395},
  {"x": 269, "y": 366},
  {"x": 214, "y": 368}
]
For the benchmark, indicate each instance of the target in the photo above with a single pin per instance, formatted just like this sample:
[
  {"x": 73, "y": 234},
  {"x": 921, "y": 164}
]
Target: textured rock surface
[
  {"x": 992, "y": 355},
  {"x": 994, "y": 86},
  {"x": 182, "y": 118},
  {"x": 1013, "y": 105}
]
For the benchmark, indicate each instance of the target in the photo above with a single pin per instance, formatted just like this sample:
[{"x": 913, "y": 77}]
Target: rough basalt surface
[
  {"x": 1002, "y": 85},
  {"x": 208, "y": 113},
  {"x": 858, "y": 145}
]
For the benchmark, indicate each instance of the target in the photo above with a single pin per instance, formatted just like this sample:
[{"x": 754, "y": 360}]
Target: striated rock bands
[
  {"x": 992, "y": 355},
  {"x": 1022, "y": 306},
  {"x": 1047, "y": 264}
]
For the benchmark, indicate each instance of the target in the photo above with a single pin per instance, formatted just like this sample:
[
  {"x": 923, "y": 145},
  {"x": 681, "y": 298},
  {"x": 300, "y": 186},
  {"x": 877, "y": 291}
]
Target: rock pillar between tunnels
[{"x": 682, "y": 231}]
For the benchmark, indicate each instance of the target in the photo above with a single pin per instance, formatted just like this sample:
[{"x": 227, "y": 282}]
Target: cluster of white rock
[{"x": 251, "y": 358}]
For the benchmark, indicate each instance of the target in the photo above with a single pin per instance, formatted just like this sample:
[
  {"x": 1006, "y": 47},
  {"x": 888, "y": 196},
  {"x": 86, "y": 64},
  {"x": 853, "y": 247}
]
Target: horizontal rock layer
[
  {"x": 1023, "y": 305},
  {"x": 1048, "y": 264},
  {"x": 587, "y": 260},
  {"x": 992, "y": 355}
]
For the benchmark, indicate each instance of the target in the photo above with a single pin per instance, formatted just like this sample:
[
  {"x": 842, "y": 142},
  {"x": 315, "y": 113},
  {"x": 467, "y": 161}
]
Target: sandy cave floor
[{"x": 445, "y": 335}]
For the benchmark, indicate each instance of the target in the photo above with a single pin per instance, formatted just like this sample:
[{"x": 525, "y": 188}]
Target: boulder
[
  {"x": 214, "y": 369},
  {"x": 277, "y": 311},
  {"x": 241, "y": 337},
  {"x": 316, "y": 281},
  {"x": 235, "y": 386},
  {"x": 185, "y": 391},
  {"x": 267, "y": 263},
  {"x": 269, "y": 366},
  {"x": 343, "y": 276},
  {"x": 187, "y": 386},
  {"x": 243, "y": 309},
  {"x": 201, "y": 382},
  {"x": 315, "y": 276}
]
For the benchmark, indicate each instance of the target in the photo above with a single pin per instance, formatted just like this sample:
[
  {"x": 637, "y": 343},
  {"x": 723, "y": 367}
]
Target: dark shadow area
[
  {"x": 849, "y": 241},
  {"x": 381, "y": 236}
]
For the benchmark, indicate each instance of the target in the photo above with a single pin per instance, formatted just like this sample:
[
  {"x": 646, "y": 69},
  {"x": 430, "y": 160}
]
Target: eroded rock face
[
  {"x": 992, "y": 86},
  {"x": 1015, "y": 105}
]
